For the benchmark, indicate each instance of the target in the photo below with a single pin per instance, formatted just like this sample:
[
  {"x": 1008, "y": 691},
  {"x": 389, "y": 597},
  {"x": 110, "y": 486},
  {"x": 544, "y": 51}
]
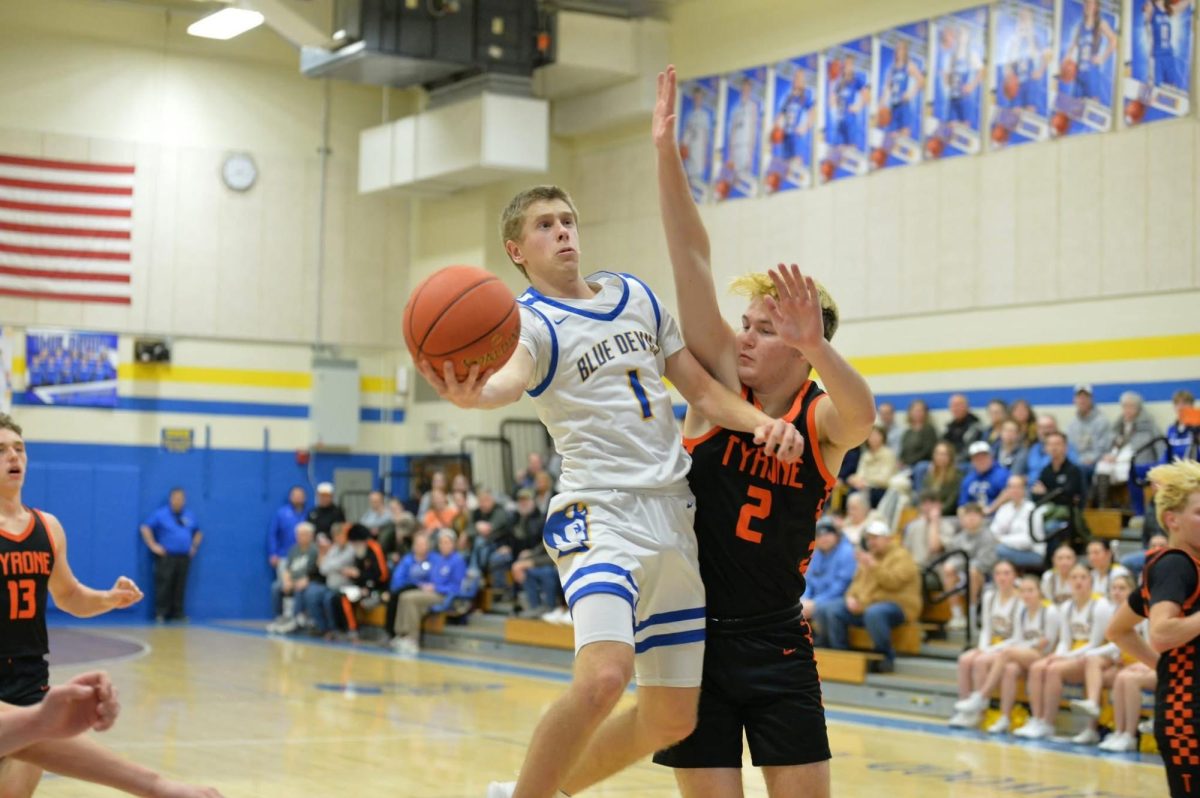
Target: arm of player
[
  {"x": 88, "y": 701},
  {"x": 708, "y": 336},
  {"x": 1169, "y": 628},
  {"x": 845, "y": 420},
  {"x": 722, "y": 407},
  {"x": 152, "y": 544},
  {"x": 492, "y": 389},
  {"x": 75, "y": 598},
  {"x": 1122, "y": 630}
]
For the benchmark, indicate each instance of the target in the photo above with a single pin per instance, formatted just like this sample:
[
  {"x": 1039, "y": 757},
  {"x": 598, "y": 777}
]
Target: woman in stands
[
  {"x": 1056, "y": 583},
  {"x": 1102, "y": 665},
  {"x": 1084, "y": 620},
  {"x": 1022, "y": 413},
  {"x": 1034, "y": 636},
  {"x": 1100, "y": 560},
  {"x": 1001, "y": 606},
  {"x": 944, "y": 478}
]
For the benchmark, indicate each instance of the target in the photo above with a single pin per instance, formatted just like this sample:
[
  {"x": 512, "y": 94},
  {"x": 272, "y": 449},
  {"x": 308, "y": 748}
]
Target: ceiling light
[{"x": 226, "y": 24}]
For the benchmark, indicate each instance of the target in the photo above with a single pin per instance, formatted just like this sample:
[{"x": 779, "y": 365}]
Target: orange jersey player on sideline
[
  {"x": 33, "y": 563},
  {"x": 755, "y": 516}
]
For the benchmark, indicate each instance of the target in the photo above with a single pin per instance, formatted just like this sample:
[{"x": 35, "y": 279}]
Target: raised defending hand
[
  {"x": 796, "y": 315},
  {"x": 467, "y": 393},
  {"x": 662, "y": 126},
  {"x": 124, "y": 593},
  {"x": 780, "y": 438}
]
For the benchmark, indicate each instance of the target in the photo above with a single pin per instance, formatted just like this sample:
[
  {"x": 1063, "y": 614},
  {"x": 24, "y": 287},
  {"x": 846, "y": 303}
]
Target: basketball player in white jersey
[{"x": 593, "y": 353}]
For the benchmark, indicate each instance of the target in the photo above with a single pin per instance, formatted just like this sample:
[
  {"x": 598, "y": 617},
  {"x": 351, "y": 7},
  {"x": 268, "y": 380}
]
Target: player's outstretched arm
[
  {"x": 724, "y": 408},
  {"x": 708, "y": 336},
  {"x": 78, "y": 599},
  {"x": 1122, "y": 630},
  {"x": 482, "y": 391},
  {"x": 1170, "y": 628},
  {"x": 89, "y": 701}
]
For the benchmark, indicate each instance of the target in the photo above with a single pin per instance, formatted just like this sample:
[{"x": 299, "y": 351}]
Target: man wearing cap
[
  {"x": 885, "y": 593},
  {"x": 1091, "y": 433},
  {"x": 986, "y": 480},
  {"x": 831, "y": 568},
  {"x": 173, "y": 535},
  {"x": 326, "y": 513}
]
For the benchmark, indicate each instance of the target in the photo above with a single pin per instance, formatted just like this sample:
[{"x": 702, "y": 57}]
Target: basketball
[
  {"x": 827, "y": 170},
  {"x": 464, "y": 315},
  {"x": 1012, "y": 87},
  {"x": 884, "y": 117},
  {"x": 1134, "y": 112},
  {"x": 722, "y": 189},
  {"x": 999, "y": 134},
  {"x": 777, "y": 135},
  {"x": 1060, "y": 123},
  {"x": 835, "y": 69},
  {"x": 773, "y": 180},
  {"x": 1067, "y": 72},
  {"x": 879, "y": 157},
  {"x": 934, "y": 147}
]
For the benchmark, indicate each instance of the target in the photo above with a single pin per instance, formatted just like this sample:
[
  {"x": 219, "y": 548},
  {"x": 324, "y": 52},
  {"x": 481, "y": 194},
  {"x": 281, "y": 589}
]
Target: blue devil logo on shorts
[{"x": 566, "y": 531}]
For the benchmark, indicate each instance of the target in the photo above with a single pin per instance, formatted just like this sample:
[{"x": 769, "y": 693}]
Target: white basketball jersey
[{"x": 598, "y": 387}]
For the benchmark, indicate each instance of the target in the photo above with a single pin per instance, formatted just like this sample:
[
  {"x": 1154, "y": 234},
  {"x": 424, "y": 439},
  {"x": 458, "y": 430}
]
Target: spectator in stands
[
  {"x": 997, "y": 413},
  {"x": 1100, "y": 560},
  {"x": 297, "y": 573},
  {"x": 925, "y": 535},
  {"x": 885, "y": 593},
  {"x": 462, "y": 519},
  {"x": 985, "y": 481},
  {"x": 535, "y": 574},
  {"x": 543, "y": 491},
  {"x": 1001, "y": 605},
  {"x": 414, "y": 570},
  {"x": 534, "y": 465},
  {"x": 1153, "y": 536},
  {"x": 440, "y": 514},
  {"x": 1012, "y": 528},
  {"x": 893, "y": 432},
  {"x": 1089, "y": 431},
  {"x": 1038, "y": 456},
  {"x": 858, "y": 512},
  {"x": 1135, "y": 449},
  {"x": 367, "y": 575},
  {"x": 461, "y": 483},
  {"x": 376, "y": 515},
  {"x": 327, "y": 512},
  {"x": 944, "y": 478},
  {"x": 918, "y": 440},
  {"x": 1010, "y": 450},
  {"x": 1101, "y": 665},
  {"x": 876, "y": 466},
  {"x": 1056, "y": 583},
  {"x": 1060, "y": 482},
  {"x": 524, "y": 533},
  {"x": 281, "y": 535},
  {"x": 830, "y": 570},
  {"x": 1084, "y": 621},
  {"x": 848, "y": 469},
  {"x": 975, "y": 540},
  {"x": 335, "y": 562},
  {"x": 1036, "y": 635},
  {"x": 1022, "y": 412},
  {"x": 437, "y": 481},
  {"x": 1183, "y": 437},
  {"x": 487, "y": 521},
  {"x": 395, "y": 535},
  {"x": 964, "y": 427},
  {"x": 446, "y": 576},
  {"x": 173, "y": 535}
]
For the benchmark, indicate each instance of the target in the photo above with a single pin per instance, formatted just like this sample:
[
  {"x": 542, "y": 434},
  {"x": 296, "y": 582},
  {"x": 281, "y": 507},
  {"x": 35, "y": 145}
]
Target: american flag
[{"x": 65, "y": 230}]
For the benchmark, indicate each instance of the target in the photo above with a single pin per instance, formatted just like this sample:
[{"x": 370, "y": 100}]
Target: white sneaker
[
  {"x": 501, "y": 789},
  {"x": 975, "y": 702},
  {"x": 1146, "y": 726},
  {"x": 1119, "y": 743},
  {"x": 1088, "y": 736},
  {"x": 554, "y": 616},
  {"x": 1034, "y": 729},
  {"x": 957, "y": 623},
  {"x": 999, "y": 726},
  {"x": 964, "y": 720},
  {"x": 287, "y": 627},
  {"x": 406, "y": 647},
  {"x": 1086, "y": 706}
]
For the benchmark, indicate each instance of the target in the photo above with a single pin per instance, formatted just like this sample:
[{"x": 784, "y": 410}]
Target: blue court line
[{"x": 838, "y": 715}]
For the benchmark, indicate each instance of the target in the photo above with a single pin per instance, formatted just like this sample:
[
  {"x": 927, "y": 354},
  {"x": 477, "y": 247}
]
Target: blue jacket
[
  {"x": 173, "y": 532},
  {"x": 983, "y": 488},
  {"x": 412, "y": 573},
  {"x": 829, "y": 575},
  {"x": 282, "y": 534},
  {"x": 1181, "y": 443},
  {"x": 448, "y": 573}
]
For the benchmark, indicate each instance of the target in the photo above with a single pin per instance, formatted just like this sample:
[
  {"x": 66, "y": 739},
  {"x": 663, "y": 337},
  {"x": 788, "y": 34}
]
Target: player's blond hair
[
  {"x": 7, "y": 422},
  {"x": 757, "y": 285},
  {"x": 512, "y": 219},
  {"x": 1173, "y": 484}
]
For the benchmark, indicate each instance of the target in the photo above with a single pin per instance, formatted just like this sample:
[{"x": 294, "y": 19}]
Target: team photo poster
[
  {"x": 901, "y": 73},
  {"x": 1159, "y": 60},
  {"x": 1022, "y": 54},
  {"x": 959, "y": 55},
  {"x": 1088, "y": 40},
  {"x": 794, "y": 100},
  {"x": 697, "y": 130},
  {"x": 741, "y": 146},
  {"x": 847, "y": 100}
]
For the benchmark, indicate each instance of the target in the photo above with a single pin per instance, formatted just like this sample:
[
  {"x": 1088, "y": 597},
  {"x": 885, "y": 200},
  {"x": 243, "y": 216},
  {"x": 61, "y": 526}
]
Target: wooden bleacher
[
  {"x": 377, "y": 616},
  {"x": 906, "y": 638},
  {"x": 1106, "y": 524},
  {"x": 536, "y": 632}
]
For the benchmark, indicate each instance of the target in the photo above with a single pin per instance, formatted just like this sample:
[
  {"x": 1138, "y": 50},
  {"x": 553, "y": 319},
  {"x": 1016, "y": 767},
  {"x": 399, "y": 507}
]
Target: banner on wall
[
  {"x": 1022, "y": 54},
  {"x": 741, "y": 145},
  {"x": 958, "y": 54},
  {"x": 71, "y": 368},
  {"x": 902, "y": 67},
  {"x": 846, "y": 99},
  {"x": 1158, "y": 60},
  {"x": 698, "y": 100},
  {"x": 1088, "y": 36},
  {"x": 793, "y": 87}
]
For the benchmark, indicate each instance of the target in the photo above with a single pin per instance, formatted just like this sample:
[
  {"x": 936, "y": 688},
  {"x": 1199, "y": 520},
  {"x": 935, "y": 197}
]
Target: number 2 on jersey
[
  {"x": 22, "y": 599},
  {"x": 759, "y": 506},
  {"x": 635, "y": 385}
]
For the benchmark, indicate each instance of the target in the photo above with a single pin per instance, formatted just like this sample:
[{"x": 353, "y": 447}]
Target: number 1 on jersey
[
  {"x": 635, "y": 385},
  {"x": 758, "y": 507}
]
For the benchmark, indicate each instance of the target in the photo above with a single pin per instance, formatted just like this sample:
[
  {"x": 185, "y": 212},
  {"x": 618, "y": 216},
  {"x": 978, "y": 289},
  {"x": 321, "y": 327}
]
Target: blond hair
[
  {"x": 1173, "y": 484},
  {"x": 757, "y": 285},
  {"x": 512, "y": 219}
]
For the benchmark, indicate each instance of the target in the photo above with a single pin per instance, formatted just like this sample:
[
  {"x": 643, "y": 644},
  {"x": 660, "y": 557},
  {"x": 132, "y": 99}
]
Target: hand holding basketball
[{"x": 467, "y": 393}]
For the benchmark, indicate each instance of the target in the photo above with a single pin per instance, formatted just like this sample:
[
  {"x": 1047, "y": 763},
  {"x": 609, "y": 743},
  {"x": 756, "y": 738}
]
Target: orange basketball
[
  {"x": 934, "y": 147},
  {"x": 465, "y": 315},
  {"x": 884, "y": 117},
  {"x": 1134, "y": 112},
  {"x": 777, "y": 135},
  {"x": 835, "y": 69},
  {"x": 773, "y": 181},
  {"x": 999, "y": 134},
  {"x": 722, "y": 189},
  {"x": 1012, "y": 87},
  {"x": 1060, "y": 123},
  {"x": 1067, "y": 71},
  {"x": 827, "y": 170},
  {"x": 879, "y": 157}
]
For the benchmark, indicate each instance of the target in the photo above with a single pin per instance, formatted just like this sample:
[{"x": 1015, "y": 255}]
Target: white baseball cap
[
  {"x": 979, "y": 447},
  {"x": 325, "y": 487}
]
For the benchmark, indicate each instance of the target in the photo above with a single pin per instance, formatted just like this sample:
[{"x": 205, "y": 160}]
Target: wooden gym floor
[{"x": 260, "y": 718}]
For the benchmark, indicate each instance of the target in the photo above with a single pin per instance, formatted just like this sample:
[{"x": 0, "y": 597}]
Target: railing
[
  {"x": 488, "y": 461},
  {"x": 963, "y": 589}
]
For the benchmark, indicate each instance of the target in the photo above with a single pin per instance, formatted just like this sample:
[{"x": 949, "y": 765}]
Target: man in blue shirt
[
  {"x": 282, "y": 534},
  {"x": 1183, "y": 437},
  {"x": 1038, "y": 457},
  {"x": 985, "y": 482},
  {"x": 172, "y": 534},
  {"x": 831, "y": 568}
]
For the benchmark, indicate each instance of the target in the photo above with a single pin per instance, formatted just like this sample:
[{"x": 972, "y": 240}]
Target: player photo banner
[
  {"x": 742, "y": 134},
  {"x": 71, "y": 368},
  {"x": 901, "y": 75},
  {"x": 1022, "y": 53},
  {"x": 698, "y": 101},
  {"x": 793, "y": 87},
  {"x": 958, "y": 54},
  {"x": 1158, "y": 60},
  {"x": 1088, "y": 38},
  {"x": 846, "y": 97}
]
